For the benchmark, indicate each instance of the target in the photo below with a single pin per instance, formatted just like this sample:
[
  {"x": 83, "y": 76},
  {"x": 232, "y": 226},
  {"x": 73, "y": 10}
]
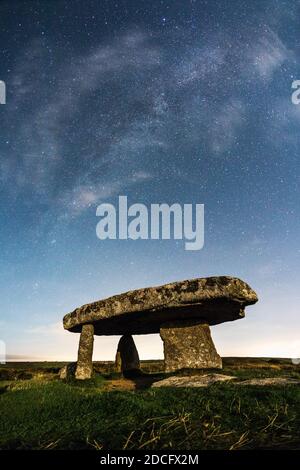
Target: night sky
[{"x": 162, "y": 101}]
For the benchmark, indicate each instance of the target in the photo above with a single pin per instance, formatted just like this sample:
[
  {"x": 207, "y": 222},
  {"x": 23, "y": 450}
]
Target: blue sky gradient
[{"x": 161, "y": 101}]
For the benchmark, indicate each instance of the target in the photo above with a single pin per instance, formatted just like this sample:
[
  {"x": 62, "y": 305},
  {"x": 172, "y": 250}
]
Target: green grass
[{"x": 47, "y": 413}]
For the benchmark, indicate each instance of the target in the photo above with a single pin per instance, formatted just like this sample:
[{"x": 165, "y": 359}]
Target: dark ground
[{"x": 39, "y": 411}]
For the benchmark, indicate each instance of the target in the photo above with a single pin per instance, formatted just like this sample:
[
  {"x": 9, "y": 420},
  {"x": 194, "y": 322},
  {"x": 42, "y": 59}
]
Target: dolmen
[{"x": 182, "y": 312}]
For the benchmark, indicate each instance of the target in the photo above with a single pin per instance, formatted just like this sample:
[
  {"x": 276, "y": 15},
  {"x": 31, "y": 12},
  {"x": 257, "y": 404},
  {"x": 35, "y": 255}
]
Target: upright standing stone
[
  {"x": 127, "y": 357},
  {"x": 188, "y": 345},
  {"x": 118, "y": 363},
  {"x": 84, "y": 367}
]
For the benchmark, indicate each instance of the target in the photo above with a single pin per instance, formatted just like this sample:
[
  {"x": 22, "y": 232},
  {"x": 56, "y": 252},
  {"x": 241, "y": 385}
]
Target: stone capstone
[{"x": 209, "y": 300}]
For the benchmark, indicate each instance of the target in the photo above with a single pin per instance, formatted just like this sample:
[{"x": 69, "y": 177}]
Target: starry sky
[{"x": 162, "y": 101}]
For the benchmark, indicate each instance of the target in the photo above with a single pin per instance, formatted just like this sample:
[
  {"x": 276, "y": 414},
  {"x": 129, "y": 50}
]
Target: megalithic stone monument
[{"x": 182, "y": 312}]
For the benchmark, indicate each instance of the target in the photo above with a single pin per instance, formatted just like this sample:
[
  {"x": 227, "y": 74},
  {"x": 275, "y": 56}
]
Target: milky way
[{"x": 162, "y": 101}]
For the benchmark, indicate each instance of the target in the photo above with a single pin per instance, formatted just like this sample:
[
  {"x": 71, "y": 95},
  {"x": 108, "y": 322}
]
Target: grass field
[{"x": 39, "y": 411}]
